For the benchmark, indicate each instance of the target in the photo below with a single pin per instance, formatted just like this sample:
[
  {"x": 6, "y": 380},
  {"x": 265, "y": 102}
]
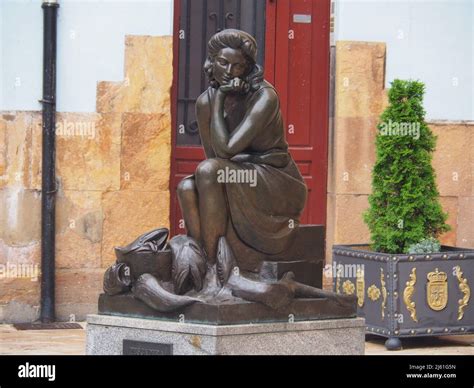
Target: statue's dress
[{"x": 264, "y": 216}]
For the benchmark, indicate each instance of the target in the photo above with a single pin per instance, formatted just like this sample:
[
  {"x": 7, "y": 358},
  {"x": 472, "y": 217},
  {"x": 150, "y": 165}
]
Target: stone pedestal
[{"x": 113, "y": 335}]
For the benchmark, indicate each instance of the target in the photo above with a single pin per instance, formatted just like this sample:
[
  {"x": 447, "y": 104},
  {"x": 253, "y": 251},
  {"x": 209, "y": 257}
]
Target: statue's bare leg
[
  {"x": 189, "y": 203},
  {"x": 276, "y": 295},
  {"x": 212, "y": 206}
]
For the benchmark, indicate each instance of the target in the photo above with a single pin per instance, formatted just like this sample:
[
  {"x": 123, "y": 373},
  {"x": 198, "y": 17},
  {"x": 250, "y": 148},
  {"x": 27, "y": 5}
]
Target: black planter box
[{"x": 408, "y": 295}]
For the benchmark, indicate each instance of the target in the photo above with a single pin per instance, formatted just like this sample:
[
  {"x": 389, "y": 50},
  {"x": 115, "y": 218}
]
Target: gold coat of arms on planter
[
  {"x": 360, "y": 287},
  {"x": 437, "y": 290}
]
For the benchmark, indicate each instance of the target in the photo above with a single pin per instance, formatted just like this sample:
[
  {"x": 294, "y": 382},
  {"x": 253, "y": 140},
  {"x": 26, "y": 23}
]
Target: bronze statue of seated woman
[
  {"x": 242, "y": 132},
  {"x": 248, "y": 185}
]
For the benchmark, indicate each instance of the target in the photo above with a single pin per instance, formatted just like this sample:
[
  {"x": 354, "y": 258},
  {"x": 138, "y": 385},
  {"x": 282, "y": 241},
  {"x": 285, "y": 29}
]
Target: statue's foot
[
  {"x": 305, "y": 291},
  {"x": 275, "y": 295},
  {"x": 278, "y": 296},
  {"x": 345, "y": 300}
]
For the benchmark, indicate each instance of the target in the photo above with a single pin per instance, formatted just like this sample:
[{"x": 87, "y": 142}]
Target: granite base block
[{"x": 112, "y": 335}]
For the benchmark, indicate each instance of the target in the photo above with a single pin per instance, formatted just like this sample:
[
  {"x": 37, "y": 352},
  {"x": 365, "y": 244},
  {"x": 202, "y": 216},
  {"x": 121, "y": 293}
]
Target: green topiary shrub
[{"x": 404, "y": 207}]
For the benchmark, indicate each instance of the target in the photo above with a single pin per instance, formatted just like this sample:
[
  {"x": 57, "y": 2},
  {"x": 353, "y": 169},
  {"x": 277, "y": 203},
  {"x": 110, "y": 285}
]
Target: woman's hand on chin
[{"x": 236, "y": 85}]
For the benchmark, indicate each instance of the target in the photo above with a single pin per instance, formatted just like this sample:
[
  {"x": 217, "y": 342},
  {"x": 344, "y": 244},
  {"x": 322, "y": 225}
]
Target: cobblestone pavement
[{"x": 72, "y": 342}]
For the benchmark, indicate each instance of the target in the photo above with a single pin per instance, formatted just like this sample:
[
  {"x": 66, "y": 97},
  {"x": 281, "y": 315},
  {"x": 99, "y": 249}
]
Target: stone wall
[
  {"x": 360, "y": 98},
  {"x": 113, "y": 175}
]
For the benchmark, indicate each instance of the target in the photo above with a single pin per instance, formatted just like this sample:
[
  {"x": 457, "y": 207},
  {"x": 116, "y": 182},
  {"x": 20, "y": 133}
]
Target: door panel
[
  {"x": 302, "y": 80},
  {"x": 198, "y": 21}
]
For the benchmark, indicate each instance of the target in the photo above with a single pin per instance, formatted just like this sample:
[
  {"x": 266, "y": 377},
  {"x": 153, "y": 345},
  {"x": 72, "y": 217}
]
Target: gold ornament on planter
[
  {"x": 465, "y": 289},
  {"x": 360, "y": 286},
  {"x": 408, "y": 293},
  {"x": 373, "y": 292},
  {"x": 348, "y": 287},
  {"x": 339, "y": 270},
  {"x": 384, "y": 292},
  {"x": 437, "y": 290}
]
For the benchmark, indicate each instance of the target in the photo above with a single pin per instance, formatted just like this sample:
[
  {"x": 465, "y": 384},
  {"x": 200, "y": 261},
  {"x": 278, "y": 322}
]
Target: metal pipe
[{"x": 48, "y": 176}]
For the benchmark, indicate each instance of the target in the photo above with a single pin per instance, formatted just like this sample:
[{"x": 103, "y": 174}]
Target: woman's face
[{"x": 229, "y": 64}]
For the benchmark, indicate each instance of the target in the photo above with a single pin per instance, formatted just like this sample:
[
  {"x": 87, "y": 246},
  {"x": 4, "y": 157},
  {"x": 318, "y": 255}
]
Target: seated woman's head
[{"x": 233, "y": 54}]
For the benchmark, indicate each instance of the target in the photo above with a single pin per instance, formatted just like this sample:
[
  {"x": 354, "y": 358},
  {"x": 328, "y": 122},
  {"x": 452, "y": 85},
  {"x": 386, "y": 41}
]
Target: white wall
[
  {"x": 427, "y": 40},
  {"x": 91, "y": 38},
  {"x": 432, "y": 41}
]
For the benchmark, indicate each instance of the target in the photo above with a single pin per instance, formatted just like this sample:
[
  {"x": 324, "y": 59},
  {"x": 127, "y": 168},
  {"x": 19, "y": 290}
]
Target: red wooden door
[
  {"x": 297, "y": 63},
  {"x": 302, "y": 79}
]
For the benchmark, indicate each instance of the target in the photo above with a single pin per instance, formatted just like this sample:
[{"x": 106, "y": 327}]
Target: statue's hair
[{"x": 237, "y": 40}]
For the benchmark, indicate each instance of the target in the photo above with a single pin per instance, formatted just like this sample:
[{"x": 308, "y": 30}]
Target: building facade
[{"x": 118, "y": 144}]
